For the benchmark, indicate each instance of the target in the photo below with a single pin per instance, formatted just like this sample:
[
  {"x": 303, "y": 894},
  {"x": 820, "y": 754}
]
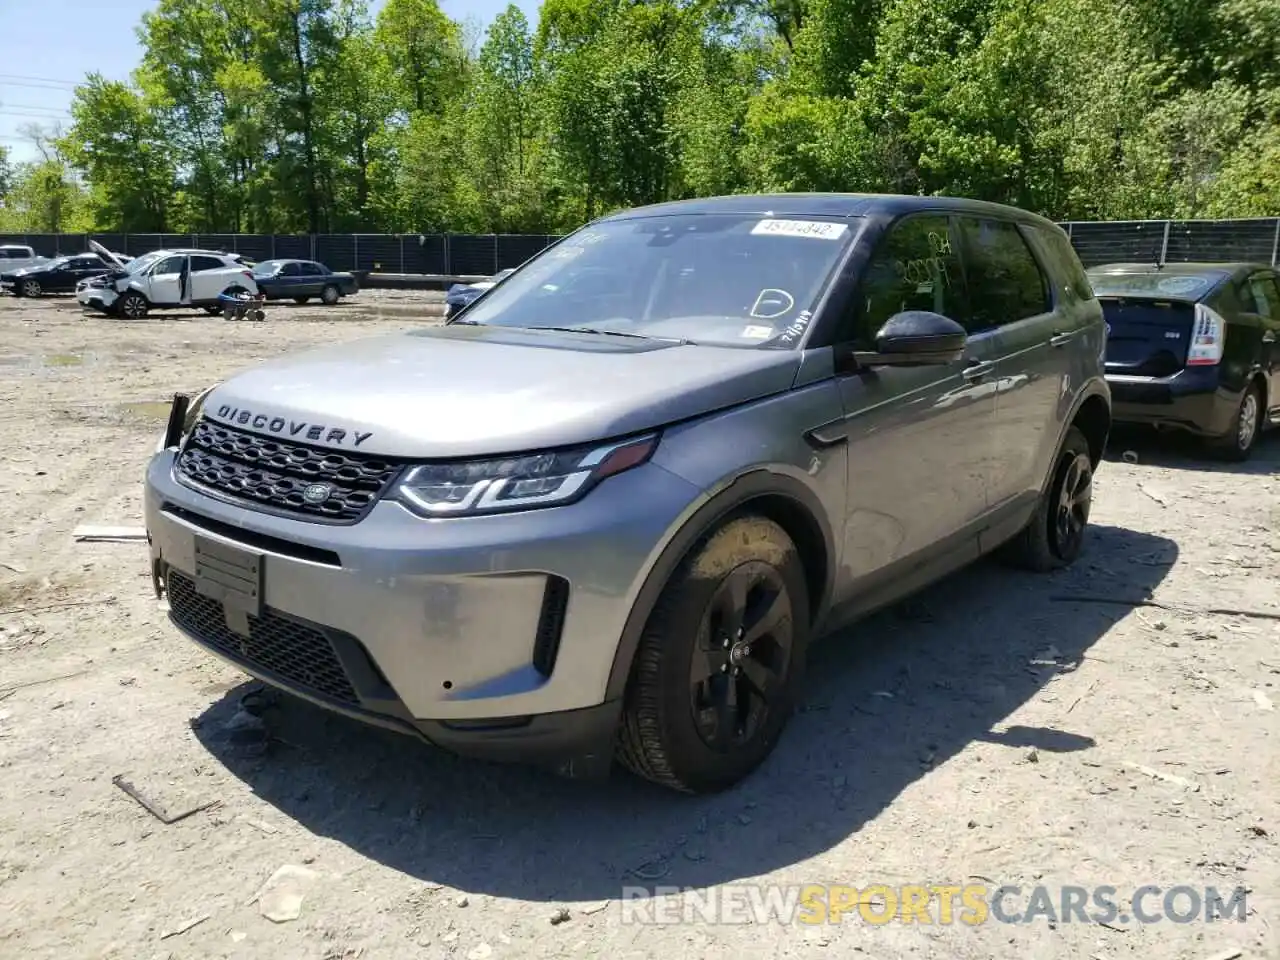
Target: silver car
[{"x": 601, "y": 512}]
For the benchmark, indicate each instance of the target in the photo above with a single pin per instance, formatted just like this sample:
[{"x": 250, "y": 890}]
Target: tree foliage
[{"x": 314, "y": 116}]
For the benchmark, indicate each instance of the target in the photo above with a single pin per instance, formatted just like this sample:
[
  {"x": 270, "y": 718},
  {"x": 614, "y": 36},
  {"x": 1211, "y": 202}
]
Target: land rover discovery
[{"x": 601, "y": 512}]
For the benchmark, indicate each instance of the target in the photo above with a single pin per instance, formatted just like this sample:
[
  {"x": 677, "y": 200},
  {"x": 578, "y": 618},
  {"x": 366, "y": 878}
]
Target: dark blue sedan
[
  {"x": 462, "y": 294},
  {"x": 300, "y": 280}
]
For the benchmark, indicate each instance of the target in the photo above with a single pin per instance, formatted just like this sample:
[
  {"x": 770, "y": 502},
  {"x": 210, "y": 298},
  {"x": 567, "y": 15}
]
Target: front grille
[
  {"x": 296, "y": 653},
  {"x": 275, "y": 474}
]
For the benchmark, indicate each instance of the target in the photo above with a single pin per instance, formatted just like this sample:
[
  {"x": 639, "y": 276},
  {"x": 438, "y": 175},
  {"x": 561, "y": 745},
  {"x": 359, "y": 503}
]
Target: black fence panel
[
  {"x": 290, "y": 247},
  {"x": 460, "y": 254},
  {"x": 425, "y": 254},
  {"x": 1138, "y": 241},
  {"x": 136, "y": 244},
  {"x": 337, "y": 251},
  {"x": 1222, "y": 240},
  {"x": 514, "y": 250},
  {"x": 378, "y": 253},
  {"x": 471, "y": 255},
  {"x": 213, "y": 241},
  {"x": 254, "y": 246}
]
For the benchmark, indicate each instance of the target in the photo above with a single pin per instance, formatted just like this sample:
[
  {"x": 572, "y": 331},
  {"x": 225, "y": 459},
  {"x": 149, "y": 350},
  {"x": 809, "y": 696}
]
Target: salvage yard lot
[{"x": 987, "y": 729}]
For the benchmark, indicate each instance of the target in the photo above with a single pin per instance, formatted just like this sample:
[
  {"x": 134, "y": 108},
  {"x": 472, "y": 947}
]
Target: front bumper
[
  {"x": 1192, "y": 399},
  {"x": 489, "y": 636},
  {"x": 97, "y": 298}
]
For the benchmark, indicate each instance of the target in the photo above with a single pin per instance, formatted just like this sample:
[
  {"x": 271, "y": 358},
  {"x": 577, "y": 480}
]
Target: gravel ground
[{"x": 985, "y": 732}]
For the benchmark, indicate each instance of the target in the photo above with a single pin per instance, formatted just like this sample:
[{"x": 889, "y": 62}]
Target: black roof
[{"x": 827, "y": 205}]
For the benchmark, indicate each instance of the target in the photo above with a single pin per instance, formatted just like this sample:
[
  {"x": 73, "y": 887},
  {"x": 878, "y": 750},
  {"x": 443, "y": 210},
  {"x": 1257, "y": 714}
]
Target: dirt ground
[{"x": 986, "y": 732}]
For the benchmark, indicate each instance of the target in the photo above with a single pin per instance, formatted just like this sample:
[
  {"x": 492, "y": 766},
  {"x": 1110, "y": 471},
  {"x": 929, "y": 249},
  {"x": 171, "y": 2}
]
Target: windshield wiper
[{"x": 614, "y": 333}]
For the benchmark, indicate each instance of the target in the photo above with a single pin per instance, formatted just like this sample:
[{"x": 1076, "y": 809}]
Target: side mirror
[{"x": 917, "y": 338}]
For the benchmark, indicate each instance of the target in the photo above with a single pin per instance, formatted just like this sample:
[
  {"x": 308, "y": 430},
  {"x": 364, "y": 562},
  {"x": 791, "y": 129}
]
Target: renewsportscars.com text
[{"x": 933, "y": 904}]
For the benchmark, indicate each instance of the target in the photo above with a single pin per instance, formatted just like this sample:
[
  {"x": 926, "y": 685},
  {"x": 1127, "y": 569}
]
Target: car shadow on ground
[
  {"x": 886, "y": 702},
  {"x": 1179, "y": 450}
]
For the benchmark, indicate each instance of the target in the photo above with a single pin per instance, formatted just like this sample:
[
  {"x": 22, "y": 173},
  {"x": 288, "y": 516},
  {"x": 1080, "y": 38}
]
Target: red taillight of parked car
[{"x": 1208, "y": 337}]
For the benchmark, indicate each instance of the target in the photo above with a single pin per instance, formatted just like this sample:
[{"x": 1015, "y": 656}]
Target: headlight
[
  {"x": 193, "y": 414},
  {"x": 518, "y": 483}
]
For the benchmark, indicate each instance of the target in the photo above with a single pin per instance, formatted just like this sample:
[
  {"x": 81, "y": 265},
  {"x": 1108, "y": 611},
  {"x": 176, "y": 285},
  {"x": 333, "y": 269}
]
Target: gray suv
[{"x": 601, "y": 512}]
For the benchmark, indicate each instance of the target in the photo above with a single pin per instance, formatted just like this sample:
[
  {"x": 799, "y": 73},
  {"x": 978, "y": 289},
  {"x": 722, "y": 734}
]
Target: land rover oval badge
[{"x": 316, "y": 492}]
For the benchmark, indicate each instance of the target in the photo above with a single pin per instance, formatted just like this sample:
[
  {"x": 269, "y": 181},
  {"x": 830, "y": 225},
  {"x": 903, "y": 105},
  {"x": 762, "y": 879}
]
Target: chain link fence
[{"x": 475, "y": 255}]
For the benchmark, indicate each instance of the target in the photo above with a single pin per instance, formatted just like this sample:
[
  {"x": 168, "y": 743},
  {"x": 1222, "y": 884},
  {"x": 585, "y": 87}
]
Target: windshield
[
  {"x": 727, "y": 280},
  {"x": 144, "y": 261},
  {"x": 1170, "y": 285}
]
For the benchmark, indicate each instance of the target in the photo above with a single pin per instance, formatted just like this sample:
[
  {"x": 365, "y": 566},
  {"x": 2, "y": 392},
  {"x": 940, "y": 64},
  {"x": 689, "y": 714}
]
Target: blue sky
[{"x": 62, "y": 40}]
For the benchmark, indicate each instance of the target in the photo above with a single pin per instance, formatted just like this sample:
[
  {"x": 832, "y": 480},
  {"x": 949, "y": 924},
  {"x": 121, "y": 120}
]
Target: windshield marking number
[{"x": 814, "y": 229}]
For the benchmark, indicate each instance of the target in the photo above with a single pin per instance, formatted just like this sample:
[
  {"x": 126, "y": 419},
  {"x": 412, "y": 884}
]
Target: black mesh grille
[
  {"x": 275, "y": 473},
  {"x": 294, "y": 652}
]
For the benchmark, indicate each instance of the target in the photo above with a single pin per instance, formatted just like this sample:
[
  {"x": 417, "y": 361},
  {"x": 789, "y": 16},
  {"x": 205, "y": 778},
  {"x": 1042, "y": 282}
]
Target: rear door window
[
  {"x": 915, "y": 267},
  {"x": 201, "y": 264},
  {"x": 1262, "y": 297},
  {"x": 312, "y": 270},
  {"x": 1004, "y": 281}
]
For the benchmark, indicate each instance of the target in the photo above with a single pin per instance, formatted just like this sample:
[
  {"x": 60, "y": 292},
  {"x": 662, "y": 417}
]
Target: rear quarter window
[{"x": 1066, "y": 265}]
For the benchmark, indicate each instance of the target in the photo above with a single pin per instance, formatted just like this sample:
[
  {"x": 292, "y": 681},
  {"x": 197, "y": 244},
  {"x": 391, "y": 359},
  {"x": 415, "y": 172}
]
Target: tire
[
  {"x": 329, "y": 295},
  {"x": 1049, "y": 542},
  {"x": 1238, "y": 443},
  {"x": 212, "y": 311},
  {"x": 750, "y": 560},
  {"x": 132, "y": 306},
  {"x": 301, "y": 300},
  {"x": 31, "y": 288}
]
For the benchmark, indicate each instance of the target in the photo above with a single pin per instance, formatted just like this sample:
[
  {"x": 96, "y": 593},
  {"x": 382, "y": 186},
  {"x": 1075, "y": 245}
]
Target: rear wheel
[
  {"x": 132, "y": 306},
  {"x": 329, "y": 295},
  {"x": 1055, "y": 536},
  {"x": 720, "y": 663},
  {"x": 31, "y": 288},
  {"x": 1238, "y": 443}
]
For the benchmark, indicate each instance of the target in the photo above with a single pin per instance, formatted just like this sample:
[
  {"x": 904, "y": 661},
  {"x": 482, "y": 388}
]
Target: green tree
[{"x": 119, "y": 144}]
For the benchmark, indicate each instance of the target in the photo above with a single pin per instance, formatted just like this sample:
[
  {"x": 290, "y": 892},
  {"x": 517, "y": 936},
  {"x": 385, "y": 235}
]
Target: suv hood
[{"x": 463, "y": 391}]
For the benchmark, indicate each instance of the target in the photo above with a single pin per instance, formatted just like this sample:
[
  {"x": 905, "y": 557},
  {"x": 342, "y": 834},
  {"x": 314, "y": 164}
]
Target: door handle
[
  {"x": 1061, "y": 339},
  {"x": 977, "y": 369}
]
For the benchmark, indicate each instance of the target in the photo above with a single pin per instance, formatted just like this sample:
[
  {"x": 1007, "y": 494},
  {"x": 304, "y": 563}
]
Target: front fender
[{"x": 708, "y": 515}]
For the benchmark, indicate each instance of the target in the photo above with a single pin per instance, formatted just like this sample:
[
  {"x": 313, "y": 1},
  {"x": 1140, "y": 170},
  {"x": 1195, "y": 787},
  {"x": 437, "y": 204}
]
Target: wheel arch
[
  {"x": 780, "y": 498},
  {"x": 1260, "y": 378},
  {"x": 1093, "y": 419}
]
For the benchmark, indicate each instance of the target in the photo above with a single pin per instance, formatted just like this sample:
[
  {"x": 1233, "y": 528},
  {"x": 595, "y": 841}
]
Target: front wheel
[
  {"x": 132, "y": 306},
  {"x": 1055, "y": 536},
  {"x": 329, "y": 295},
  {"x": 1238, "y": 443},
  {"x": 720, "y": 663}
]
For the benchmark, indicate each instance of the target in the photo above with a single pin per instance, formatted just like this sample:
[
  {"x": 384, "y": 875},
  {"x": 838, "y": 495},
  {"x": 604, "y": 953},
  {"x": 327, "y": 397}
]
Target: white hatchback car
[{"x": 167, "y": 279}]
